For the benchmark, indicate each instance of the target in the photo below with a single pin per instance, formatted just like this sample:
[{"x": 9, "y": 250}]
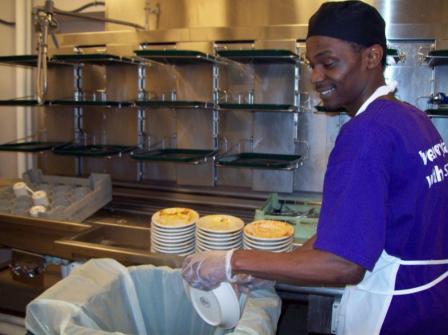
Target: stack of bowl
[
  {"x": 218, "y": 232},
  {"x": 268, "y": 235},
  {"x": 173, "y": 231}
]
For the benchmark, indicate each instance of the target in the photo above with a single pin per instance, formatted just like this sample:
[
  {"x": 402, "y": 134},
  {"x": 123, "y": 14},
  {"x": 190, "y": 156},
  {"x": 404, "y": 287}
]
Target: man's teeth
[{"x": 326, "y": 92}]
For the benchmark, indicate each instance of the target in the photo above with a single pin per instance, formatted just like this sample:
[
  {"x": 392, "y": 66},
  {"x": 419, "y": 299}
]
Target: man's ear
[{"x": 374, "y": 55}]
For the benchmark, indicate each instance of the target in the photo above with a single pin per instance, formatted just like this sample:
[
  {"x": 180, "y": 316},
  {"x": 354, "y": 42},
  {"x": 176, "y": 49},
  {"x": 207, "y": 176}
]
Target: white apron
[{"x": 363, "y": 307}]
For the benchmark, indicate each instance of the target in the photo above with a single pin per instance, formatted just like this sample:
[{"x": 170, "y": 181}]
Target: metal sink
[{"x": 129, "y": 245}]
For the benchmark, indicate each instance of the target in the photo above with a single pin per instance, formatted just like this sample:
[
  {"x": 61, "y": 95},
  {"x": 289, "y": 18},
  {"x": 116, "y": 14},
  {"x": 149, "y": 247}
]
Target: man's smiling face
[{"x": 339, "y": 72}]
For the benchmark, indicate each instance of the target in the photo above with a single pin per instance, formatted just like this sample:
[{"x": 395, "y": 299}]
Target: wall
[
  {"x": 197, "y": 25},
  {"x": 71, "y": 24},
  {"x": 8, "y": 161}
]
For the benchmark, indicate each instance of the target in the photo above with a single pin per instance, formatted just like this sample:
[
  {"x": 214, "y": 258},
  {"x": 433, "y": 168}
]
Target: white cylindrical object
[
  {"x": 35, "y": 210},
  {"x": 20, "y": 189},
  {"x": 40, "y": 198}
]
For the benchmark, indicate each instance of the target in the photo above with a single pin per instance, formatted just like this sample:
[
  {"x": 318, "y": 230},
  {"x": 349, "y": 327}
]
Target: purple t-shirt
[{"x": 386, "y": 187}]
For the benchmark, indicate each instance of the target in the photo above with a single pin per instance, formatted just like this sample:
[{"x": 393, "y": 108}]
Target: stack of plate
[
  {"x": 173, "y": 231},
  {"x": 268, "y": 235},
  {"x": 218, "y": 232}
]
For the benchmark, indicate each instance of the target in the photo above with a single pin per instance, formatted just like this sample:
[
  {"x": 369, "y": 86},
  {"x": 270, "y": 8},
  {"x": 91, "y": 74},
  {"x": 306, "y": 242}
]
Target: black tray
[
  {"x": 439, "y": 112},
  {"x": 175, "y": 56},
  {"x": 437, "y": 57},
  {"x": 174, "y": 104},
  {"x": 19, "y": 102},
  {"x": 261, "y": 56},
  {"x": 99, "y": 58},
  {"x": 322, "y": 109},
  {"x": 71, "y": 149},
  {"x": 106, "y": 103},
  {"x": 259, "y": 107},
  {"x": 22, "y": 60},
  {"x": 174, "y": 155},
  {"x": 260, "y": 161},
  {"x": 394, "y": 54},
  {"x": 29, "y": 146}
]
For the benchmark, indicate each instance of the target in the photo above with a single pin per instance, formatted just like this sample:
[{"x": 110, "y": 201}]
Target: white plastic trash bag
[{"x": 104, "y": 297}]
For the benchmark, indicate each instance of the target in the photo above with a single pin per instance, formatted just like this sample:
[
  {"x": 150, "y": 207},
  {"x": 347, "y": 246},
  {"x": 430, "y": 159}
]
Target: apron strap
[
  {"x": 429, "y": 262},
  {"x": 409, "y": 290}
]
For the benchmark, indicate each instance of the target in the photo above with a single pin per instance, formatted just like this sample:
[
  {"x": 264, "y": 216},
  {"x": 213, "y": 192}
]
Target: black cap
[{"x": 351, "y": 21}]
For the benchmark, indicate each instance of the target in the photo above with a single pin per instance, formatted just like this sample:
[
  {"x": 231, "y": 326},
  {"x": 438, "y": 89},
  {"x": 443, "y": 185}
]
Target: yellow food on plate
[
  {"x": 220, "y": 223},
  {"x": 269, "y": 229},
  {"x": 175, "y": 217}
]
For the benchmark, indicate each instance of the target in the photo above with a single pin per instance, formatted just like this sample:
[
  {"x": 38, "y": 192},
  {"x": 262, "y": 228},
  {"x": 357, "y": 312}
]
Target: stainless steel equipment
[{"x": 180, "y": 112}]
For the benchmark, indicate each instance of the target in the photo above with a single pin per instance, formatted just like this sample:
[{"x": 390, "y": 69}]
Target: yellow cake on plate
[
  {"x": 175, "y": 217},
  {"x": 269, "y": 229}
]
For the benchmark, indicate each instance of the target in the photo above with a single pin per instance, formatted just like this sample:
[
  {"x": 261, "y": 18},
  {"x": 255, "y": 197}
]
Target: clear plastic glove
[{"x": 208, "y": 269}]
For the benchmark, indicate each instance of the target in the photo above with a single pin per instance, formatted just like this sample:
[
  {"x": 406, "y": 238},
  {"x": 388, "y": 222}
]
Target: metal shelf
[
  {"x": 24, "y": 60},
  {"x": 437, "y": 113},
  {"x": 34, "y": 146},
  {"x": 174, "y": 104},
  {"x": 259, "y": 107},
  {"x": 71, "y": 149},
  {"x": 395, "y": 55},
  {"x": 176, "y": 56},
  {"x": 98, "y": 59},
  {"x": 322, "y": 109},
  {"x": 19, "y": 102},
  {"x": 260, "y": 161},
  {"x": 76, "y": 103},
  {"x": 21, "y": 60},
  {"x": 437, "y": 57},
  {"x": 191, "y": 156},
  {"x": 268, "y": 56}
]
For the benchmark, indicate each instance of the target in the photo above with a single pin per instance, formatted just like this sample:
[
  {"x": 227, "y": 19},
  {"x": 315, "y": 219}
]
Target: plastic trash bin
[{"x": 104, "y": 297}]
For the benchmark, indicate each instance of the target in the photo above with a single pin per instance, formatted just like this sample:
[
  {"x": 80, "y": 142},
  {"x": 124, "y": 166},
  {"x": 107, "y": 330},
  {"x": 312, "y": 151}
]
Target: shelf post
[{"x": 78, "y": 114}]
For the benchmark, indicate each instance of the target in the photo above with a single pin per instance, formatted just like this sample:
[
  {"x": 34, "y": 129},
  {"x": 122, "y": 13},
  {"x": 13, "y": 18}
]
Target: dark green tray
[
  {"x": 22, "y": 60},
  {"x": 19, "y": 102},
  {"x": 174, "y": 104},
  {"x": 322, "y": 109},
  {"x": 90, "y": 103},
  {"x": 91, "y": 150},
  {"x": 261, "y": 56},
  {"x": 174, "y": 155},
  {"x": 440, "y": 112},
  {"x": 175, "y": 56},
  {"x": 259, "y": 107},
  {"x": 394, "y": 54},
  {"x": 260, "y": 161},
  {"x": 29, "y": 146},
  {"x": 100, "y": 59},
  {"x": 437, "y": 57}
]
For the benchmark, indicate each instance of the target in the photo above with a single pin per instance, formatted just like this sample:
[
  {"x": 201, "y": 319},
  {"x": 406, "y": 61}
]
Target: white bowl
[
  {"x": 272, "y": 243},
  {"x": 219, "y": 307},
  {"x": 177, "y": 245},
  {"x": 169, "y": 230},
  {"x": 221, "y": 243},
  {"x": 268, "y": 230},
  {"x": 206, "y": 247},
  {"x": 285, "y": 249},
  {"x": 173, "y": 232},
  {"x": 180, "y": 251},
  {"x": 200, "y": 234},
  {"x": 220, "y": 223},
  {"x": 175, "y": 217},
  {"x": 173, "y": 239}
]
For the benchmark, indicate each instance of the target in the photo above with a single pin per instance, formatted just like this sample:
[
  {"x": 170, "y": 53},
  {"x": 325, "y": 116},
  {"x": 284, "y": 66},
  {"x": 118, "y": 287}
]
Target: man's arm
[{"x": 305, "y": 266}]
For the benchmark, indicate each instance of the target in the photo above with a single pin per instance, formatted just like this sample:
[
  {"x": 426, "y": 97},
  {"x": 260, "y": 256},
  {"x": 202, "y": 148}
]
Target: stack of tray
[
  {"x": 303, "y": 214},
  {"x": 70, "y": 198}
]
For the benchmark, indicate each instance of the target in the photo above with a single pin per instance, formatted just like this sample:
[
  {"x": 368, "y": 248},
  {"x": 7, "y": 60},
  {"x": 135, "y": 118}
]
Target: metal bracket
[{"x": 334, "y": 315}]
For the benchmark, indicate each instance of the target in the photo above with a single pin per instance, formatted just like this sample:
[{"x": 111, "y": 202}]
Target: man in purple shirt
[{"x": 383, "y": 227}]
